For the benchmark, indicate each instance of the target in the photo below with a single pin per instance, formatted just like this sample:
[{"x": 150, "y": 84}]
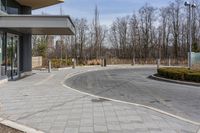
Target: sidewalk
[{"x": 41, "y": 102}]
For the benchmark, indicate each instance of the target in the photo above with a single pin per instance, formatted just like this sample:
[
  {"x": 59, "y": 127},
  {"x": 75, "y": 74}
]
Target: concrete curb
[
  {"x": 129, "y": 103},
  {"x": 19, "y": 127},
  {"x": 198, "y": 131},
  {"x": 174, "y": 81},
  {"x": 99, "y": 66}
]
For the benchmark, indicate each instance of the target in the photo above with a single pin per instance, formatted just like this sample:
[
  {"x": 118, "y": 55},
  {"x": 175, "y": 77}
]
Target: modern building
[{"x": 17, "y": 26}]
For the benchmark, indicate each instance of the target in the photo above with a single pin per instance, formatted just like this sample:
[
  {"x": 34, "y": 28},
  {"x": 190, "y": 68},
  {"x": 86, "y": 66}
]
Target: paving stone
[
  {"x": 86, "y": 129},
  {"x": 100, "y": 128},
  {"x": 71, "y": 130},
  {"x": 53, "y": 108}
]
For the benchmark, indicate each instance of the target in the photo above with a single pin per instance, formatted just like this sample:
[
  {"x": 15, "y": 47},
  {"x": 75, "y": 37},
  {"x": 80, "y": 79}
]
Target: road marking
[
  {"x": 129, "y": 103},
  {"x": 19, "y": 127},
  {"x": 45, "y": 80}
]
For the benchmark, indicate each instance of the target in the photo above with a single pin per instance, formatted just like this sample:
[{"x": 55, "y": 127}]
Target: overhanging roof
[
  {"x": 35, "y": 4},
  {"x": 38, "y": 25}
]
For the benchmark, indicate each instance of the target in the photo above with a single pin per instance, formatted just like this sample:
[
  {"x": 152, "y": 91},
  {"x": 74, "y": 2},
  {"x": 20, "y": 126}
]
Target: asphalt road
[{"x": 133, "y": 85}]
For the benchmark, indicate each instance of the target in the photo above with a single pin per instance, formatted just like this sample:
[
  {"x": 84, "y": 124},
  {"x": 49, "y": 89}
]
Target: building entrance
[{"x": 12, "y": 53}]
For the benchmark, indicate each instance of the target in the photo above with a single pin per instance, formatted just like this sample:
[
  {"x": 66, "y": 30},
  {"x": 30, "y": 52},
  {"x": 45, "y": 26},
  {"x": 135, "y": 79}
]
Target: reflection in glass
[{"x": 12, "y": 55}]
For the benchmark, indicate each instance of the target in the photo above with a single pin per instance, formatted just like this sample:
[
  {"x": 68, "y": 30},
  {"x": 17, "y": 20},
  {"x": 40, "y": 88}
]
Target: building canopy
[
  {"x": 35, "y": 4},
  {"x": 38, "y": 25}
]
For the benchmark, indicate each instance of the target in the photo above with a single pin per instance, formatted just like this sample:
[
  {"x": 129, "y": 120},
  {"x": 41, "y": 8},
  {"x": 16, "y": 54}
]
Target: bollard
[
  {"x": 133, "y": 63},
  {"x": 102, "y": 60},
  {"x": 74, "y": 63},
  {"x": 169, "y": 62},
  {"x": 158, "y": 63},
  {"x": 49, "y": 66}
]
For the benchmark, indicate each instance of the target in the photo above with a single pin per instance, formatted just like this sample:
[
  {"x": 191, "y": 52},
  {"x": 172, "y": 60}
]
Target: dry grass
[
  {"x": 196, "y": 67},
  {"x": 94, "y": 62},
  {"x": 6, "y": 129}
]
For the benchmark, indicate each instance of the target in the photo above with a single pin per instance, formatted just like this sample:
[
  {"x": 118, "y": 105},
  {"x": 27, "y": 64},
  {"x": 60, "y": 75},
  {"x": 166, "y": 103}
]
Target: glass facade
[
  {"x": 1, "y": 52},
  {"x": 9, "y": 43},
  {"x": 10, "y": 6},
  {"x": 3, "y": 4},
  {"x": 12, "y": 55}
]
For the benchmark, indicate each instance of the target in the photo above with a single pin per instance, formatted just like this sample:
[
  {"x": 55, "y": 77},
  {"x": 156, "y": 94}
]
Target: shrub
[
  {"x": 57, "y": 63},
  {"x": 180, "y": 74},
  {"x": 193, "y": 77}
]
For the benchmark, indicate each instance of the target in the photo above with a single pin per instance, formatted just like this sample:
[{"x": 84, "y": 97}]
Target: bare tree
[{"x": 146, "y": 24}]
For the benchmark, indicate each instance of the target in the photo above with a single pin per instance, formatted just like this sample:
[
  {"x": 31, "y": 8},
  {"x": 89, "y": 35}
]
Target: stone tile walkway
[{"x": 41, "y": 102}]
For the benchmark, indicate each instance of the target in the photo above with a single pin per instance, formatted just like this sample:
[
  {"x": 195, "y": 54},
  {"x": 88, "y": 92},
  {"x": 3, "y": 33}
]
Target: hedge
[{"x": 179, "y": 74}]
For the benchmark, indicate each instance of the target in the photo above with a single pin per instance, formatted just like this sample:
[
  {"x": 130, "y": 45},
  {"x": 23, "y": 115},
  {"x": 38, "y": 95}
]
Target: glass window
[
  {"x": 13, "y": 7},
  {"x": 1, "y": 44},
  {"x": 2, "y": 57},
  {"x": 10, "y": 6},
  {"x": 3, "y": 5}
]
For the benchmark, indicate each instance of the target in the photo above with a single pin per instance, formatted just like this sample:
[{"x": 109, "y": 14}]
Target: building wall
[
  {"x": 25, "y": 45},
  {"x": 26, "y": 52}
]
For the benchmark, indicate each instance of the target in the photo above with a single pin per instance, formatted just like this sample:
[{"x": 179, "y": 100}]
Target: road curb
[
  {"x": 19, "y": 127},
  {"x": 174, "y": 81},
  {"x": 198, "y": 131},
  {"x": 129, "y": 103}
]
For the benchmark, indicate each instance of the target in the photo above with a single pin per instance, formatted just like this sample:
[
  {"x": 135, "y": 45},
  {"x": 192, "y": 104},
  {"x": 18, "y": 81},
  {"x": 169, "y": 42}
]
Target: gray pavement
[
  {"x": 40, "y": 101},
  {"x": 133, "y": 85}
]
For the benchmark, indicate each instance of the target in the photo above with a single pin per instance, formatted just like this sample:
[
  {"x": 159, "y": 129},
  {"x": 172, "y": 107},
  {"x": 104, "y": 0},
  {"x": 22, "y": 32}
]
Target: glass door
[
  {"x": 12, "y": 56},
  {"x": 1, "y": 53}
]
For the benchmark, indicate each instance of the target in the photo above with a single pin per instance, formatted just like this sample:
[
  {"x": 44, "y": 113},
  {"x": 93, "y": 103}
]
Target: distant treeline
[{"x": 149, "y": 33}]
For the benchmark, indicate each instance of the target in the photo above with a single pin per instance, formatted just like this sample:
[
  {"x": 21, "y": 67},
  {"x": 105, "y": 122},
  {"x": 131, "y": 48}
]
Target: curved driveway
[{"x": 132, "y": 85}]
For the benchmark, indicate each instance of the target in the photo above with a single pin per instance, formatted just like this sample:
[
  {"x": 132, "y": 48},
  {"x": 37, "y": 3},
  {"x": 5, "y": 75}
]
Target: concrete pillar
[{"x": 26, "y": 61}]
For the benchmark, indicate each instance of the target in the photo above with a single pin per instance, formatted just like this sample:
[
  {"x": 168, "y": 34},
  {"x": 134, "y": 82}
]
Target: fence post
[{"x": 49, "y": 66}]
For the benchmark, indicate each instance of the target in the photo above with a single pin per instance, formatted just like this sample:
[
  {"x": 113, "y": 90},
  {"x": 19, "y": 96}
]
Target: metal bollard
[
  {"x": 158, "y": 63},
  {"x": 49, "y": 66}
]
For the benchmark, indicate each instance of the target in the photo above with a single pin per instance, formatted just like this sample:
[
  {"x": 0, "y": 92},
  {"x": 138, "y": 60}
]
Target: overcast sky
[{"x": 108, "y": 9}]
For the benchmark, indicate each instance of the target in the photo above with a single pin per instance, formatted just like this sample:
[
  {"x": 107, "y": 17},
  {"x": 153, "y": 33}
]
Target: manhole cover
[
  {"x": 167, "y": 100},
  {"x": 99, "y": 100},
  {"x": 155, "y": 101}
]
